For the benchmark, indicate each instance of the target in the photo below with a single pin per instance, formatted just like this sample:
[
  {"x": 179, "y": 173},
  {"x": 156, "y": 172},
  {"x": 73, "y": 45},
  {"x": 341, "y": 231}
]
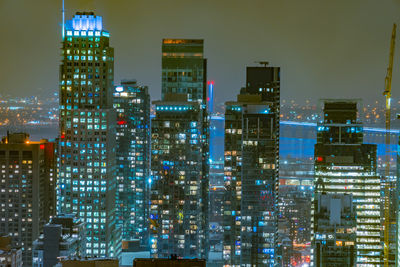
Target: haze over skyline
[{"x": 325, "y": 49}]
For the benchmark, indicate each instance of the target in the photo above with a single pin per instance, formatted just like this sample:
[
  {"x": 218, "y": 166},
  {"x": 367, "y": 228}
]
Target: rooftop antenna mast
[{"x": 63, "y": 20}]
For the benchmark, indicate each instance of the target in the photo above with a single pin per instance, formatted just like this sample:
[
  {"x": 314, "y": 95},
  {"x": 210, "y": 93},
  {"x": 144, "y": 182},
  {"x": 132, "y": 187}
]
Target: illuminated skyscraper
[
  {"x": 180, "y": 154},
  {"x": 27, "y": 186},
  {"x": 344, "y": 165},
  {"x": 87, "y": 174},
  {"x": 251, "y": 170},
  {"x": 132, "y": 104}
]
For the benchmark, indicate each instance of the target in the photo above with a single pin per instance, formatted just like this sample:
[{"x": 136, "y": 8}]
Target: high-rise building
[
  {"x": 334, "y": 230},
  {"x": 180, "y": 153},
  {"x": 177, "y": 213},
  {"x": 63, "y": 236},
  {"x": 132, "y": 104},
  {"x": 344, "y": 165},
  {"x": 27, "y": 185},
  {"x": 87, "y": 174},
  {"x": 251, "y": 170},
  {"x": 184, "y": 69}
]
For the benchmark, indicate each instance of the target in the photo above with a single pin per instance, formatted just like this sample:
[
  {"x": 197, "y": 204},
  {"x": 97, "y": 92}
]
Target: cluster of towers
[{"x": 130, "y": 175}]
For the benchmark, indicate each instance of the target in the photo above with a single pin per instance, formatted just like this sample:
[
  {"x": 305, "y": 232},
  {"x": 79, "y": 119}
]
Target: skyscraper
[
  {"x": 344, "y": 165},
  {"x": 180, "y": 154},
  {"x": 87, "y": 175},
  {"x": 132, "y": 104},
  {"x": 26, "y": 189},
  {"x": 251, "y": 170}
]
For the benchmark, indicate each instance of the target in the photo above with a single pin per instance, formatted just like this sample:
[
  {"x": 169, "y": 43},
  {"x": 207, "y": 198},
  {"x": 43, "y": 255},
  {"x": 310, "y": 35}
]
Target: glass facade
[
  {"x": 132, "y": 105},
  {"x": 344, "y": 165},
  {"x": 86, "y": 182},
  {"x": 180, "y": 154},
  {"x": 177, "y": 213},
  {"x": 251, "y": 170}
]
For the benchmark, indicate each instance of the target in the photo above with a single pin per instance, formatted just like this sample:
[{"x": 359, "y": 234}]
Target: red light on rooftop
[
  {"x": 41, "y": 146},
  {"x": 212, "y": 82},
  {"x": 319, "y": 159},
  {"x": 208, "y": 99}
]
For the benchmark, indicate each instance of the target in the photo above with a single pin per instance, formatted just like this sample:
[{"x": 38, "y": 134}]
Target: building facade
[
  {"x": 132, "y": 105},
  {"x": 345, "y": 165},
  {"x": 180, "y": 154},
  {"x": 26, "y": 189},
  {"x": 87, "y": 174},
  {"x": 63, "y": 236},
  {"x": 334, "y": 230},
  {"x": 251, "y": 170},
  {"x": 177, "y": 212}
]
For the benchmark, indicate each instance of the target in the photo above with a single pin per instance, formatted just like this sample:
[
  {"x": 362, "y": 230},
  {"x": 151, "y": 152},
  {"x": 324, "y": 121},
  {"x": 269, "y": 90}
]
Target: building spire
[{"x": 63, "y": 19}]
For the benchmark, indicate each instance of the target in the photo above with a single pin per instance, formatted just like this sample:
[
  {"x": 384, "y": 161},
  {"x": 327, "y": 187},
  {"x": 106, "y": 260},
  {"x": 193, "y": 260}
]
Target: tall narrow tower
[
  {"x": 132, "y": 104},
  {"x": 180, "y": 154},
  {"x": 251, "y": 170},
  {"x": 87, "y": 180},
  {"x": 345, "y": 165}
]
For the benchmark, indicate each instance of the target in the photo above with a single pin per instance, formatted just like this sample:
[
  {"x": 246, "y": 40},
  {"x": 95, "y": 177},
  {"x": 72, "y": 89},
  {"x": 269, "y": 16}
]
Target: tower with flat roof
[
  {"x": 132, "y": 105},
  {"x": 87, "y": 171},
  {"x": 180, "y": 154},
  {"x": 27, "y": 186},
  {"x": 251, "y": 170}
]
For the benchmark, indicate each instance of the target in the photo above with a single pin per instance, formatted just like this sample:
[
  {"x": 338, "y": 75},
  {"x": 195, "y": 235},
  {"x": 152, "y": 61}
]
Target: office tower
[
  {"x": 177, "y": 213},
  {"x": 87, "y": 174},
  {"x": 9, "y": 255},
  {"x": 132, "y": 105},
  {"x": 180, "y": 154},
  {"x": 26, "y": 186},
  {"x": 251, "y": 170},
  {"x": 63, "y": 236},
  {"x": 184, "y": 69},
  {"x": 344, "y": 165},
  {"x": 334, "y": 230}
]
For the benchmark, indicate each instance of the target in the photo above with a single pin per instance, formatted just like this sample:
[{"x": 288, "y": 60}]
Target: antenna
[{"x": 63, "y": 20}]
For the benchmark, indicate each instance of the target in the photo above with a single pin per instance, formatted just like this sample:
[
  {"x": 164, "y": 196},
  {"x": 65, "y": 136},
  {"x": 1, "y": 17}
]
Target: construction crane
[{"x": 387, "y": 93}]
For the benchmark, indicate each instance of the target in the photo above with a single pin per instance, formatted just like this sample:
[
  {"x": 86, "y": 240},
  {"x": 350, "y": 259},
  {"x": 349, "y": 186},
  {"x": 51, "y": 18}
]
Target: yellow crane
[{"x": 387, "y": 93}]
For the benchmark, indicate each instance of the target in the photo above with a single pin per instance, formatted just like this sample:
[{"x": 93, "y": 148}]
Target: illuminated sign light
[
  {"x": 87, "y": 22},
  {"x": 41, "y": 146},
  {"x": 119, "y": 89}
]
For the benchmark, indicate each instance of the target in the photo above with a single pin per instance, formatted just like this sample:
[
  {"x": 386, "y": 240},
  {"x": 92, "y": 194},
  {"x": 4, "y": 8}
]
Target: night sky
[{"x": 325, "y": 48}]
